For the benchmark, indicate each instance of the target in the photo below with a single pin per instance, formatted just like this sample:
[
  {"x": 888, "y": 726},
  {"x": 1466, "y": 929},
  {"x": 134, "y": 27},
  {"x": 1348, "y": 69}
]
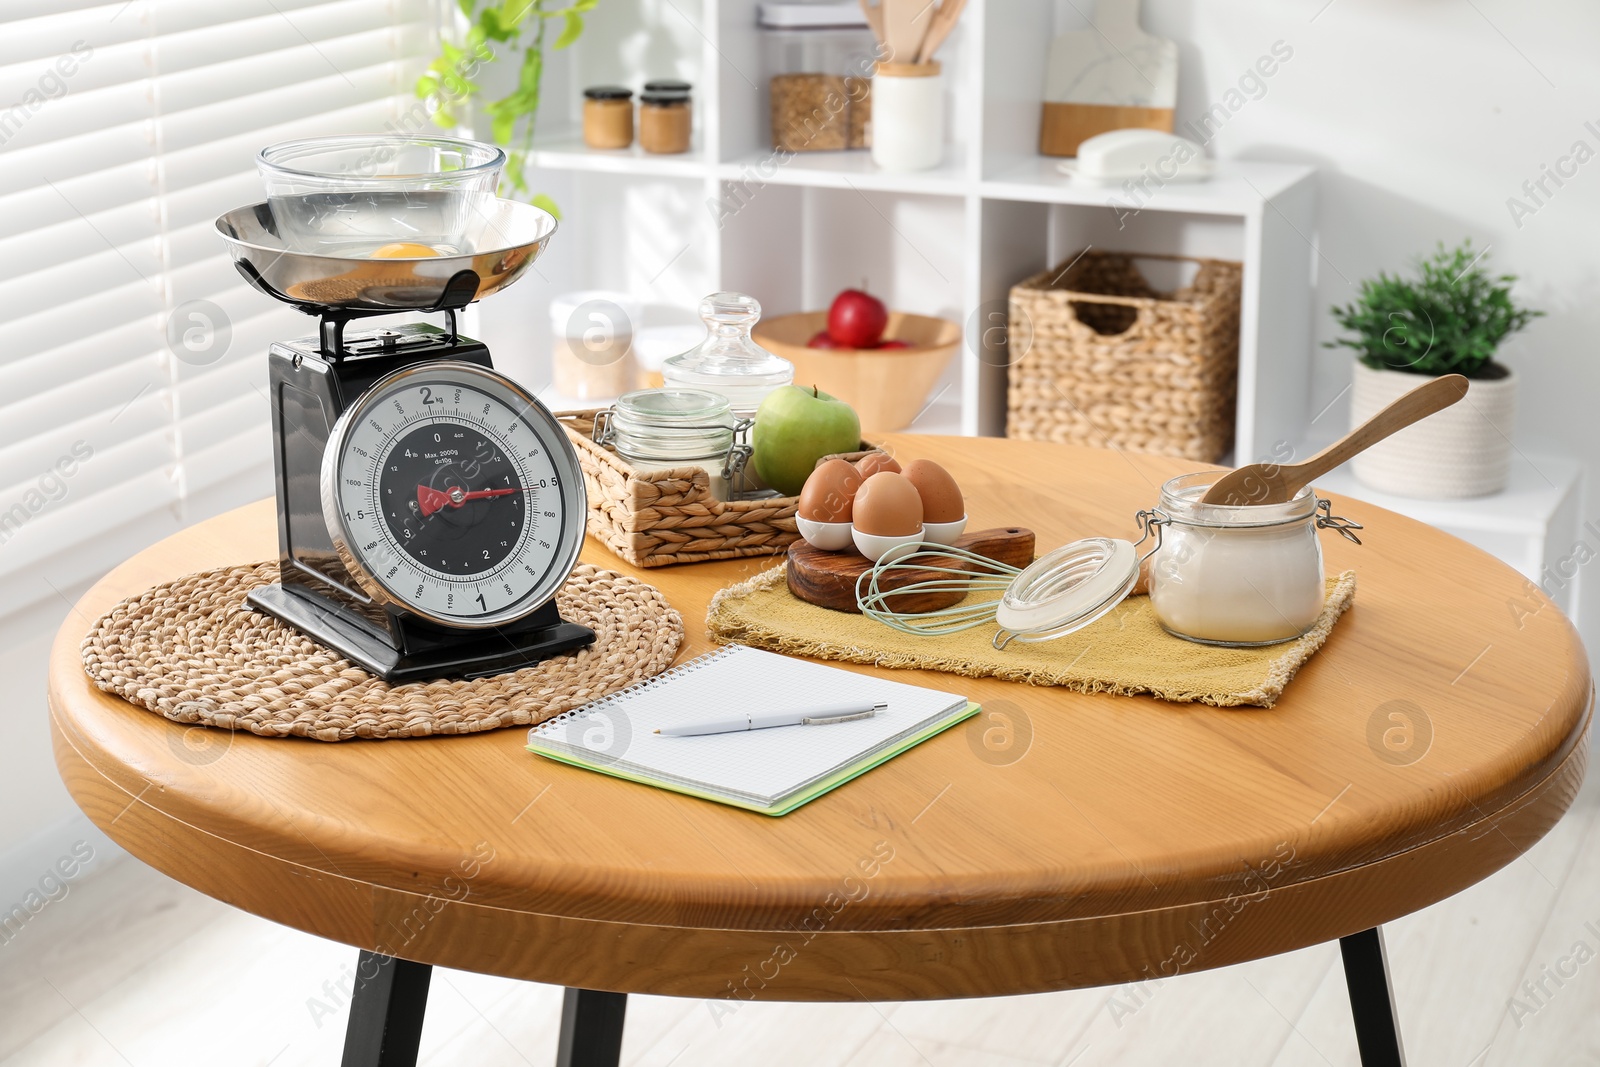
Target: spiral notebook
[{"x": 770, "y": 771}]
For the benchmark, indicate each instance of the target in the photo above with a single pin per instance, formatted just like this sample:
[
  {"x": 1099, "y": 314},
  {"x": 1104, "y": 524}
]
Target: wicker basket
[
  {"x": 653, "y": 518},
  {"x": 1116, "y": 364}
]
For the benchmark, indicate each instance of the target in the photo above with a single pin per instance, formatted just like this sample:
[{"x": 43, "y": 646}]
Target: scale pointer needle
[{"x": 432, "y": 500}]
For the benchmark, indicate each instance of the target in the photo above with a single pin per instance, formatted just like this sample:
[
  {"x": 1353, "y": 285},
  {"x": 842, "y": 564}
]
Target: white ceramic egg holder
[{"x": 879, "y": 548}]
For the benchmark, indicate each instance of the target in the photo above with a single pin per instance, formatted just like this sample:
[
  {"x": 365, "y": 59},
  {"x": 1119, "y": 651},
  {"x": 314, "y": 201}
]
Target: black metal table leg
[
  {"x": 1366, "y": 973},
  {"x": 386, "y": 1009},
  {"x": 591, "y": 1028}
]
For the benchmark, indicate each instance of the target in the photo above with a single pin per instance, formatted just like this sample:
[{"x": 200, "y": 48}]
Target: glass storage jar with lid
[
  {"x": 728, "y": 361},
  {"x": 608, "y": 116},
  {"x": 820, "y": 89},
  {"x": 661, "y": 429},
  {"x": 1237, "y": 575},
  {"x": 666, "y": 117}
]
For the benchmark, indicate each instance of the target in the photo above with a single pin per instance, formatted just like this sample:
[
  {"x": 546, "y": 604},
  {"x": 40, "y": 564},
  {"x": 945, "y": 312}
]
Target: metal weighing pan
[{"x": 504, "y": 238}]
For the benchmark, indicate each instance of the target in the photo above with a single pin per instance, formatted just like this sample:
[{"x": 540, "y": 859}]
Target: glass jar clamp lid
[{"x": 667, "y": 425}]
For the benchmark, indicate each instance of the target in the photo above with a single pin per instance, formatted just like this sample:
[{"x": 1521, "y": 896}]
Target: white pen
[{"x": 824, "y": 716}]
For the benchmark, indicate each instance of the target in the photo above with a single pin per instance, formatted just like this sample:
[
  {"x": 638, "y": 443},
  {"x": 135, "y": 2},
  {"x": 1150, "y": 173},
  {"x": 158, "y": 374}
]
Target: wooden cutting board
[
  {"x": 828, "y": 579},
  {"x": 1113, "y": 76}
]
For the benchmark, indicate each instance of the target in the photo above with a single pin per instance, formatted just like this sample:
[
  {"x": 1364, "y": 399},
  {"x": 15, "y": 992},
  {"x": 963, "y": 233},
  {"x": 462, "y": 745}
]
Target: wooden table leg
[
  {"x": 1366, "y": 973},
  {"x": 386, "y": 1009},
  {"x": 591, "y": 1028}
]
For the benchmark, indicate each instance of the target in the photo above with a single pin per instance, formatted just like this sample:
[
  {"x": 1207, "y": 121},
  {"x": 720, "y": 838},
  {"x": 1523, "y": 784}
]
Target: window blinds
[{"x": 132, "y": 355}]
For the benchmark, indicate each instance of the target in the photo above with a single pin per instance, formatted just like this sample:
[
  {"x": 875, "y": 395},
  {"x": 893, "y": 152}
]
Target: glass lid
[{"x": 1066, "y": 590}]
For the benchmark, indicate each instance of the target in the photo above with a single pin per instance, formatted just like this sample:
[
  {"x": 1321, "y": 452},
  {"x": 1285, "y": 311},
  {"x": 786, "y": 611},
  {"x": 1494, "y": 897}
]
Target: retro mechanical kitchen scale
[{"x": 429, "y": 508}]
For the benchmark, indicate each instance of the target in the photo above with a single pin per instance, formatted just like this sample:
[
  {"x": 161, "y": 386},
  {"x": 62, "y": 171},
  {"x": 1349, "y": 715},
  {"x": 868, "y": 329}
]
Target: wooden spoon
[
  {"x": 1271, "y": 483},
  {"x": 943, "y": 22},
  {"x": 901, "y": 29},
  {"x": 875, "y": 21}
]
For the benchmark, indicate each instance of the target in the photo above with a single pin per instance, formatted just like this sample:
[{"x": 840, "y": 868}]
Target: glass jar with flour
[{"x": 1237, "y": 575}]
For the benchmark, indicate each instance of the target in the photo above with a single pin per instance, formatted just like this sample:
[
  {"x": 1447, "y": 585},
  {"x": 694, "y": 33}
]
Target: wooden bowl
[{"x": 887, "y": 388}]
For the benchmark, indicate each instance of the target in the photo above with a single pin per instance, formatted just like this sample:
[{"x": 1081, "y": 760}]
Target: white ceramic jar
[
  {"x": 591, "y": 352},
  {"x": 907, "y": 129},
  {"x": 1237, "y": 576}
]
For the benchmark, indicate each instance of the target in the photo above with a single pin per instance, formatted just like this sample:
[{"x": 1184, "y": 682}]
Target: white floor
[{"x": 131, "y": 969}]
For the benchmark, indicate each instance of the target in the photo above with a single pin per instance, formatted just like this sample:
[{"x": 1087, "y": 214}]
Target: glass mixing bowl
[{"x": 393, "y": 196}]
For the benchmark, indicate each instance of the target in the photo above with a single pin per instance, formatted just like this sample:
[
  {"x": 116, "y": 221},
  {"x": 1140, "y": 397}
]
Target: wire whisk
[{"x": 982, "y": 574}]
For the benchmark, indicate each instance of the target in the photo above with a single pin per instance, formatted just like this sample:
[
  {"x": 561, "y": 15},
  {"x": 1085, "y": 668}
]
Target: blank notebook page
[{"x": 757, "y": 764}]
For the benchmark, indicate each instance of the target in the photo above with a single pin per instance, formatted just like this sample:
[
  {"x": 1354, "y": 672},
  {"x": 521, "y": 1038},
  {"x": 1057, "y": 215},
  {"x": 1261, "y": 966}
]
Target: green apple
[{"x": 795, "y": 427}]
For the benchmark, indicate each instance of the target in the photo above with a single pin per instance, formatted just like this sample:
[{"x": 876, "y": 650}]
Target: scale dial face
[{"x": 454, "y": 495}]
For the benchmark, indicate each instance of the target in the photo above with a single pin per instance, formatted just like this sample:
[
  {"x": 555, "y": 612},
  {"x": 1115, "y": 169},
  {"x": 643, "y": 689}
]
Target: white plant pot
[{"x": 1462, "y": 451}]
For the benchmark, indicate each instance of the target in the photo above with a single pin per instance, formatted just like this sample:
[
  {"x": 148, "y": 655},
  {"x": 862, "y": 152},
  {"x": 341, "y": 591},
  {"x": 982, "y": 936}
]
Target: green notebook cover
[{"x": 794, "y": 800}]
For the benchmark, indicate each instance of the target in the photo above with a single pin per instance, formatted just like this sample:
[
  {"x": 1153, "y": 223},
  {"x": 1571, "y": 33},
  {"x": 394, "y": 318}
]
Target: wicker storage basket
[
  {"x": 653, "y": 518},
  {"x": 1116, "y": 364}
]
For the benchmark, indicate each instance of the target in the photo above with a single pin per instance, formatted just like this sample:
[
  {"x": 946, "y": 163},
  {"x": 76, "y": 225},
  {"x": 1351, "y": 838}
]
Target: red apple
[
  {"x": 893, "y": 343},
  {"x": 857, "y": 319},
  {"x": 822, "y": 339}
]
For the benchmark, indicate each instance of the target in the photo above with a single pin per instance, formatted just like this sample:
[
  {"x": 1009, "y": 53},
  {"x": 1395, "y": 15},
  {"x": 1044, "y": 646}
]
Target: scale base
[{"x": 472, "y": 655}]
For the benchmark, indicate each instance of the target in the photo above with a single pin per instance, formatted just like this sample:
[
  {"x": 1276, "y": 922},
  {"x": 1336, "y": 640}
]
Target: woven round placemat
[{"x": 193, "y": 651}]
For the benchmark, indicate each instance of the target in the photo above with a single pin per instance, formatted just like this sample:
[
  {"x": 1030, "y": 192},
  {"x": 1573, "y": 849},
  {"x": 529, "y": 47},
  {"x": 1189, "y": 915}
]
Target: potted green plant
[{"x": 1449, "y": 318}]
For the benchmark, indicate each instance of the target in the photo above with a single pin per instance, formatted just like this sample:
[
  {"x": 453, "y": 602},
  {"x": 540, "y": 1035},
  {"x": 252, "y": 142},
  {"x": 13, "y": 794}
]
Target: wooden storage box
[
  {"x": 1106, "y": 360},
  {"x": 653, "y": 518}
]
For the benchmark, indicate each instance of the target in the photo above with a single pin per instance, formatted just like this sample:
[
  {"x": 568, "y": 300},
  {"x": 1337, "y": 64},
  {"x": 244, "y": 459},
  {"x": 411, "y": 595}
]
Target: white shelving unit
[{"x": 950, "y": 241}]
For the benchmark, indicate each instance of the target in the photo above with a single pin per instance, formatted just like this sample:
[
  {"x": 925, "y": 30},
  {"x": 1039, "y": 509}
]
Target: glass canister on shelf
[
  {"x": 608, "y": 116},
  {"x": 728, "y": 362},
  {"x": 666, "y": 117},
  {"x": 591, "y": 350},
  {"x": 820, "y": 90},
  {"x": 662, "y": 429}
]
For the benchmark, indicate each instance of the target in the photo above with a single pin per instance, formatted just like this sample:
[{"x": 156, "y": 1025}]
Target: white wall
[{"x": 1423, "y": 118}]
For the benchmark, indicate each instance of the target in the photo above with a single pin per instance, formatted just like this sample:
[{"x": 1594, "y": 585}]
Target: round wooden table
[{"x": 1061, "y": 840}]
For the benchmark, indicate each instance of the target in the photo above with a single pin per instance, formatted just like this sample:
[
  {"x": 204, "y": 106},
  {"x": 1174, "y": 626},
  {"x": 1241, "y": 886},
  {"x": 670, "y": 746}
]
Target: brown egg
[
  {"x": 829, "y": 492},
  {"x": 874, "y": 462},
  {"x": 887, "y": 504},
  {"x": 941, "y": 496}
]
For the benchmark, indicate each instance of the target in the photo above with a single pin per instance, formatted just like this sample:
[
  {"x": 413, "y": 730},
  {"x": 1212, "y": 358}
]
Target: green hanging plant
[{"x": 497, "y": 31}]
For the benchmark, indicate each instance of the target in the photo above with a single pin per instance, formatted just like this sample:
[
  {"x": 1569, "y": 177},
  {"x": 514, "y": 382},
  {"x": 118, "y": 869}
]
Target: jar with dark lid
[
  {"x": 666, "y": 119},
  {"x": 608, "y": 116},
  {"x": 667, "y": 85}
]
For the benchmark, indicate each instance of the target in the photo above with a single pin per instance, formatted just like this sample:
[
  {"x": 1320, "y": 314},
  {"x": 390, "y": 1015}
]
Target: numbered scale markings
[{"x": 451, "y": 495}]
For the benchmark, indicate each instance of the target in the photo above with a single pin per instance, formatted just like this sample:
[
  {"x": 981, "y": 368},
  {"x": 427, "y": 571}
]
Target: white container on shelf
[
  {"x": 592, "y": 344},
  {"x": 907, "y": 130},
  {"x": 654, "y": 345}
]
